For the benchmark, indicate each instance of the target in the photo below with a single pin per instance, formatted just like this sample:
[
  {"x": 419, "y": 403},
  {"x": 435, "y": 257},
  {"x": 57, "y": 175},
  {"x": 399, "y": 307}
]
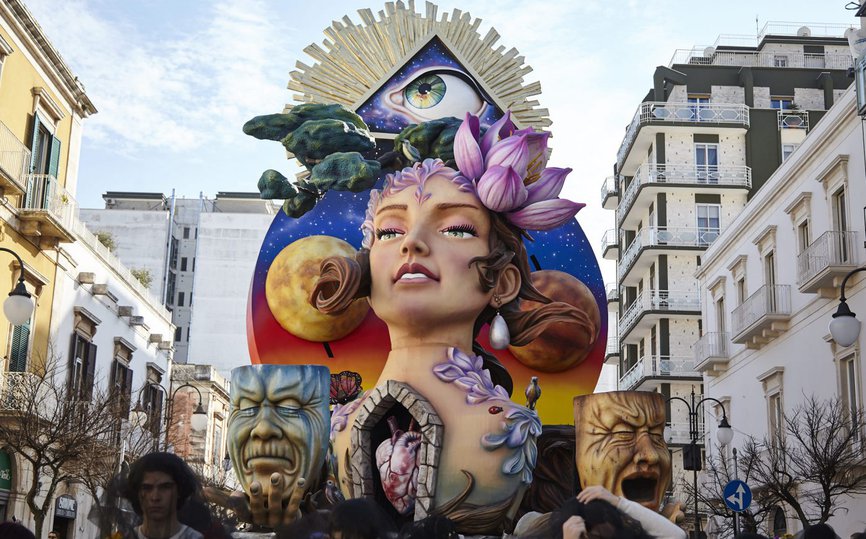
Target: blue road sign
[{"x": 737, "y": 495}]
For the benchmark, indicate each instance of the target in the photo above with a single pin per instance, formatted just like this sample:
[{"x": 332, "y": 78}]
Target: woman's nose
[{"x": 413, "y": 243}]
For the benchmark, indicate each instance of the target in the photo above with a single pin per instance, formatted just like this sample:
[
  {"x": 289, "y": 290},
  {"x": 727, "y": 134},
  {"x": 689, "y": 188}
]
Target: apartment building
[
  {"x": 706, "y": 139},
  {"x": 200, "y": 254}
]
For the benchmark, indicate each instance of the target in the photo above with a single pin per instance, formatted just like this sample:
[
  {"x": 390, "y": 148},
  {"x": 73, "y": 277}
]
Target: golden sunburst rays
[{"x": 355, "y": 60}]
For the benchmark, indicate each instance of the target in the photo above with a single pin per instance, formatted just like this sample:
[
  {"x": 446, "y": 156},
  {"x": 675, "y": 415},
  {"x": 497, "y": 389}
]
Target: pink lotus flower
[
  {"x": 503, "y": 128},
  {"x": 545, "y": 215},
  {"x": 500, "y": 188},
  {"x": 509, "y": 152},
  {"x": 467, "y": 152},
  {"x": 537, "y": 142}
]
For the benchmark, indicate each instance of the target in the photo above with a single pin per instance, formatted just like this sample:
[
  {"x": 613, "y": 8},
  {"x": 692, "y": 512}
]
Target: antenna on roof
[{"x": 757, "y": 32}]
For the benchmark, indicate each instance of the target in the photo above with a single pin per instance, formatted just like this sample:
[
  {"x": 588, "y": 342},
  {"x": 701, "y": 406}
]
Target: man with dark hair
[{"x": 158, "y": 485}]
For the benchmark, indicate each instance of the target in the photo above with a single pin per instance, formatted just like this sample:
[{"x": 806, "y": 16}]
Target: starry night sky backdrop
[{"x": 340, "y": 214}]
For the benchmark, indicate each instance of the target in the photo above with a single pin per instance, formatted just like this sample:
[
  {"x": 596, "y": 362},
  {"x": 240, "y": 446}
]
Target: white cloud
[{"x": 181, "y": 93}]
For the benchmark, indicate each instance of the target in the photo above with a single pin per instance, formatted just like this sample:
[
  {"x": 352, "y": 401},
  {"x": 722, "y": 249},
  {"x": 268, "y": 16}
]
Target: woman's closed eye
[
  {"x": 388, "y": 233},
  {"x": 460, "y": 231}
]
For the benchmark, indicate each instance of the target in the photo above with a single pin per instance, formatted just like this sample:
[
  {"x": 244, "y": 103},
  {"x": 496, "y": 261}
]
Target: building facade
[
  {"x": 771, "y": 285},
  {"x": 200, "y": 254},
  {"x": 708, "y": 136}
]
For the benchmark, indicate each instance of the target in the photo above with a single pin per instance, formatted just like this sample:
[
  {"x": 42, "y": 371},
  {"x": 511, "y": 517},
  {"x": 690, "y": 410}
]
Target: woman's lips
[{"x": 414, "y": 272}]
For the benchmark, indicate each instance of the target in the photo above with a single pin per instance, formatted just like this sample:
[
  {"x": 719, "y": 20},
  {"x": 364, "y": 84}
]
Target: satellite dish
[
  {"x": 804, "y": 31},
  {"x": 709, "y": 52}
]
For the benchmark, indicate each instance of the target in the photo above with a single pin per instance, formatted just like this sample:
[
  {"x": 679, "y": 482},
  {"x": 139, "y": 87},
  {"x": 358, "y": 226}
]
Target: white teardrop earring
[{"x": 499, "y": 335}]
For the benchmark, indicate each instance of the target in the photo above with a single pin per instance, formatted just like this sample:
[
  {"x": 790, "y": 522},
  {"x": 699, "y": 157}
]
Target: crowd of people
[{"x": 165, "y": 495}]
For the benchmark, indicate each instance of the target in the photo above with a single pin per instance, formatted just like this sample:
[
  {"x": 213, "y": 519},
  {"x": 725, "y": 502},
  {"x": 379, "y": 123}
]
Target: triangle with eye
[{"x": 429, "y": 83}]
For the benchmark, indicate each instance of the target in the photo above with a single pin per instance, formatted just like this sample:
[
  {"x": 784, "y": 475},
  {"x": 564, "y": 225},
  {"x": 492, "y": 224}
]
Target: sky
[{"x": 174, "y": 81}]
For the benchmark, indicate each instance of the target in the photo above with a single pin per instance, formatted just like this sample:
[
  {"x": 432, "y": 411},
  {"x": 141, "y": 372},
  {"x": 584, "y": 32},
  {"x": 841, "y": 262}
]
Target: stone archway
[{"x": 376, "y": 405}]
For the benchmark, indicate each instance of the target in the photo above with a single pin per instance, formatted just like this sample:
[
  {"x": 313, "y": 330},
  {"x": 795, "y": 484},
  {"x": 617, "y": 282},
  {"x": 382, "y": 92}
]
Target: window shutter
[
  {"x": 127, "y": 392},
  {"x": 34, "y": 145},
  {"x": 54, "y": 163},
  {"x": 18, "y": 354},
  {"x": 70, "y": 365},
  {"x": 89, "y": 372},
  {"x": 112, "y": 381}
]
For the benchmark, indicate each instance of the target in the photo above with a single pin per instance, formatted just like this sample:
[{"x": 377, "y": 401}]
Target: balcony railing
[
  {"x": 662, "y": 236},
  {"x": 609, "y": 240},
  {"x": 609, "y": 189},
  {"x": 710, "y": 347},
  {"x": 736, "y": 176},
  {"x": 710, "y": 56},
  {"x": 793, "y": 119},
  {"x": 611, "y": 291},
  {"x": 612, "y": 348},
  {"x": 14, "y": 157},
  {"x": 46, "y": 195},
  {"x": 658, "y": 300},
  {"x": 834, "y": 252},
  {"x": 26, "y": 393},
  {"x": 679, "y": 431},
  {"x": 657, "y": 366},
  {"x": 661, "y": 112},
  {"x": 768, "y": 304}
]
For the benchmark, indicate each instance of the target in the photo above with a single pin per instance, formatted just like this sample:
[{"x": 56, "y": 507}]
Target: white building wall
[
  {"x": 228, "y": 247},
  {"x": 805, "y": 358}
]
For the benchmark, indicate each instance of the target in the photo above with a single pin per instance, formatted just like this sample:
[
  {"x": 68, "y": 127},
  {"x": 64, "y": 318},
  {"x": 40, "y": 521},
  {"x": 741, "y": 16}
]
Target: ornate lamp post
[
  {"x": 199, "y": 415},
  {"x": 19, "y": 305},
  {"x": 724, "y": 434}
]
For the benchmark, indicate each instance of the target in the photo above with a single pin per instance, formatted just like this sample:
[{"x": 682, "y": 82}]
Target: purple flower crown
[{"x": 509, "y": 171}]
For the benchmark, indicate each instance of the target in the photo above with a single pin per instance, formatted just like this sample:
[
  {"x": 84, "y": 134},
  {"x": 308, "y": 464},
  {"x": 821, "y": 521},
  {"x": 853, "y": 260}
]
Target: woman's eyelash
[
  {"x": 462, "y": 228},
  {"x": 385, "y": 231}
]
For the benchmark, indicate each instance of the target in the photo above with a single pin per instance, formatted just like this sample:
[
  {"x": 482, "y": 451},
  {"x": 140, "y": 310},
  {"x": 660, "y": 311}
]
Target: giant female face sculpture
[
  {"x": 278, "y": 423},
  {"x": 620, "y": 444}
]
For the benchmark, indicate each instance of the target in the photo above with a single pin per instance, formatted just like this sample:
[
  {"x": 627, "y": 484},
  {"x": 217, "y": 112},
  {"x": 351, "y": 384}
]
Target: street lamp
[
  {"x": 724, "y": 434},
  {"x": 199, "y": 415},
  {"x": 19, "y": 305},
  {"x": 845, "y": 328}
]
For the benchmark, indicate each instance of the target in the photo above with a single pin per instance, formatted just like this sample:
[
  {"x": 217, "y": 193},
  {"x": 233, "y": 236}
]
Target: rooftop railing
[
  {"x": 780, "y": 59},
  {"x": 739, "y": 176},
  {"x": 661, "y": 112}
]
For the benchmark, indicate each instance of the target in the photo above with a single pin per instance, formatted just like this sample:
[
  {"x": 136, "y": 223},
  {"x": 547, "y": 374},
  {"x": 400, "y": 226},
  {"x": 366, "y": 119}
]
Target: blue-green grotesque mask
[{"x": 278, "y": 423}]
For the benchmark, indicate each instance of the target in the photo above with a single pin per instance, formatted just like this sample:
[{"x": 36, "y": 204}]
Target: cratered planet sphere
[
  {"x": 291, "y": 278},
  {"x": 562, "y": 345}
]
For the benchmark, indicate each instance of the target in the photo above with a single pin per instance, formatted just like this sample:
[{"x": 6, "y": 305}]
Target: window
[
  {"x": 180, "y": 299},
  {"x": 177, "y": 334},
  {"x": 770, "y": 280},
  {"x": 699, "y": 105},
  {"x": 709, "y": 222},
  {"x": 720, "y": 315},
  {"x": 152, "y": 399},
  {"x": 777, "y": 418},
  {"x": 850, "y": 386},
  {"x": 787, "y": 150},
  {"x": 780, "y": 523},
  {"x": 183, "y": 263},
  {"x": 216, "y": 458},
  {"x": 5, "y": 50},
  {"x": 45, "y": 150},
  {"x": 707, "y": 163},
  {"x": 186, "y": 232},
  {"x": 172, "y": 253},
  {"x": 82, "y": 366},
  {"x": 840, "y": 220},
  {"x": 780, "y": 60},
  {"x": 19, "y": 347},
  {"x": 120, "y": 385},
  {"x": 781, "y": 103},
  {"x": 803, "y": 239},
  {"x": 170, "y": 287},
  {"x": 741, "y": 290}
]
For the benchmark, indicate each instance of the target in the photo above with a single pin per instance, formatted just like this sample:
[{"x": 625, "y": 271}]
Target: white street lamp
[
  {"x": 845, "y": 328},
  {"x": 19, "y": 305}
]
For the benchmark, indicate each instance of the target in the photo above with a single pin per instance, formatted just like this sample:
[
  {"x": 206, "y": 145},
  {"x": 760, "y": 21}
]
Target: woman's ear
[{"x": 507, "y": 285}]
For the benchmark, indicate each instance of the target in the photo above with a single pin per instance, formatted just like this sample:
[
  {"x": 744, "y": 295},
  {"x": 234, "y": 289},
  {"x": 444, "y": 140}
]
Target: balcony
[
  {"x": 25, "y": 393},
  {"x": 677, "y": 432},
  {"x": 652, "y": 305},
  {"x": 48, "y": 212},
  {"x": 14, "y": 159},
  {"x": 652, "y": 179},
  {"x": 611, "y": 353},
  {"x": 666, "y": 239},
  {"x": 610, "y": 245},
  {"x": 711, "y": 56},
  {"x": 711, "y": 117},
  {"x": 822, "y": 266},
  {"x": 711, "y": 353},
  {"x": 793, "y": 119},
  {"x": 763, "y": 316},
  {"x": 612, "y": 293},
  {"x": 609, "y": 193},
  {"x": 663, "y": 367}
]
